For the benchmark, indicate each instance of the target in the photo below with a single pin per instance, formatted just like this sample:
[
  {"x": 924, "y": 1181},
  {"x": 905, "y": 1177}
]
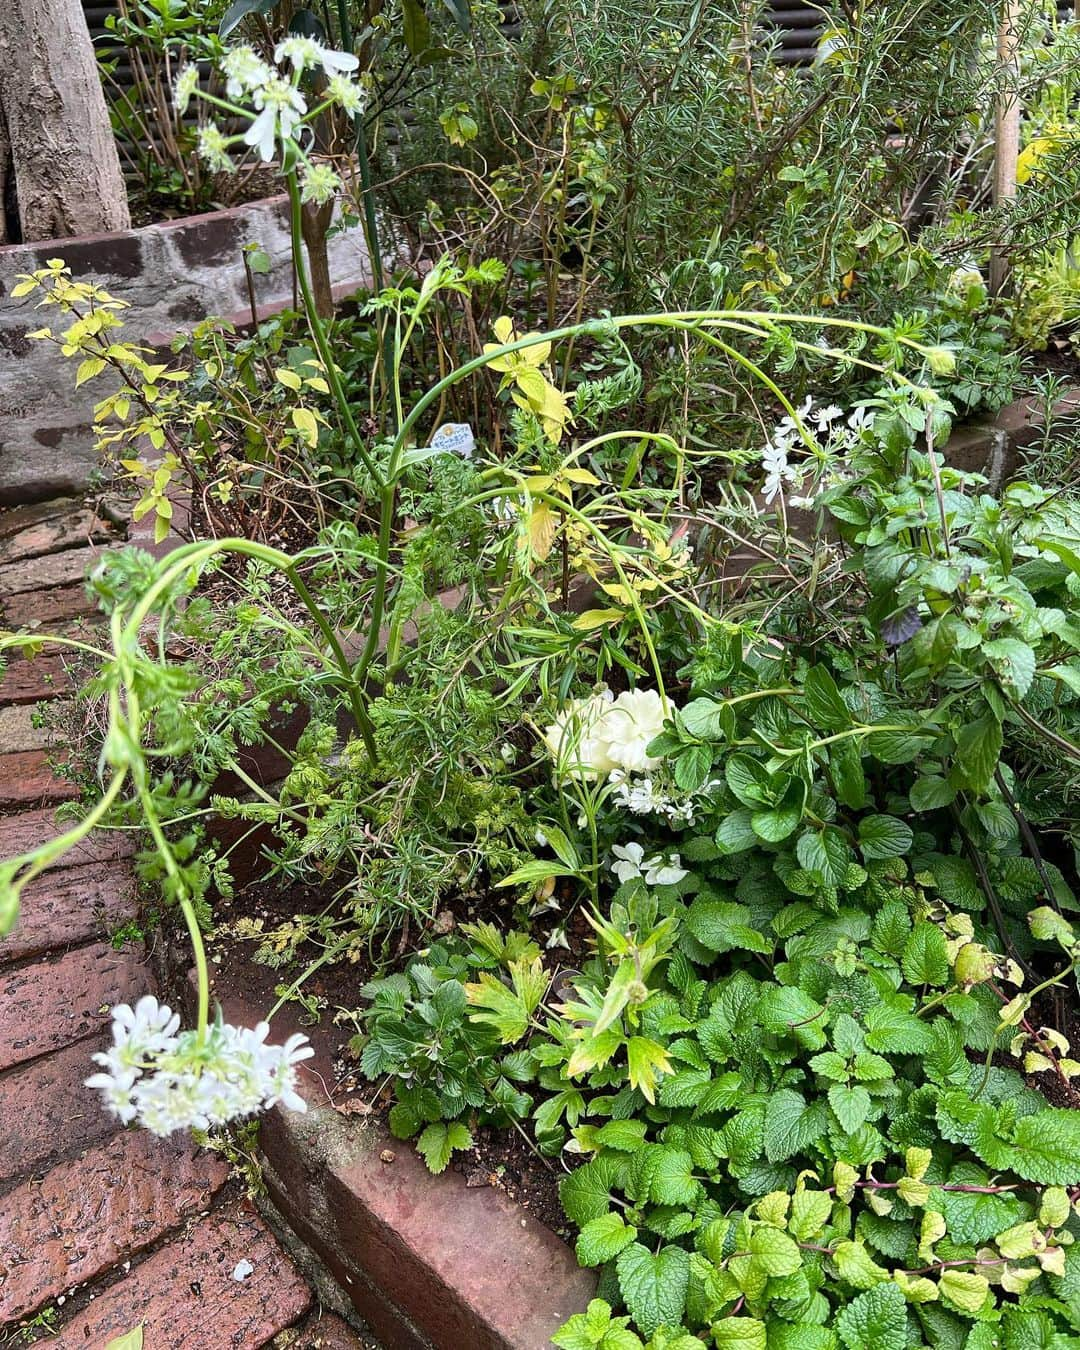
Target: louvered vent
[{"x": 801, "y": 26}]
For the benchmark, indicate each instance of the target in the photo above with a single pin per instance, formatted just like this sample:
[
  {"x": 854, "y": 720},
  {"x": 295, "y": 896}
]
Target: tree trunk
[
  {"x": 315, "y": 220},
  {"x": 60, "y": 153},
  {"x": 1006, "y": 132}
]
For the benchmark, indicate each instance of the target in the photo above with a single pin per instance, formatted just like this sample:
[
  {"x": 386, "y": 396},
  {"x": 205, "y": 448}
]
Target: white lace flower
[
  {"x": 212, "y": 149},
  {"x": 281, "y": 108},
  {"x": 774, "y": 460},
  {"x": 321, "y": 184},
  {"x": 244, "y": 71},
  {"x": 346, "y": 93},
  {"x": 633, "y": 720},
  {"x": 304, "y": 53},
  {"x": 168, "y": 1081},
  {"x": 186, "y": 84}
]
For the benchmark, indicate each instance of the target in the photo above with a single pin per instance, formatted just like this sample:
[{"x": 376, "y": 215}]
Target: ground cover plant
[{"x": 665, "y": 632}]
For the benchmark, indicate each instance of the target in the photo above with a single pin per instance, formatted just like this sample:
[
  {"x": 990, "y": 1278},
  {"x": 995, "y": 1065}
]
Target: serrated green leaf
[
  {"x": 725, "y": 925},
  {"x": 876, "y": 1318},
  {"x": 654, "y": 1286},
  {"x": 1013, "y": 662},
  {"x": 810, "y": 1212},
  {"x": 824, "y": 852},
  {"x": 775, "y": 1252},
  {"x": 439, "y": 1140},
  {"x": 786, "y": 1010},
  {"x": 926, "y": 957},
  {"x": 673, "y": 1180},
  {"x": 586, "y": 1193},
  {"x": 978, "y": 748},
  {"x": 791, "y": 1125},
  {"x": 930, "y": 793},
  {"x": 739, "y": 1333},
  {"x": 1046, "y": 1147},
  {"x": 603, "y": 1239},
  {"x": 883, "y": 837},
  {"x": 964, "y": 1289},
  {"x": 975, "y": 1218},
  {"x": 625, "y": 1135},
  {"x": 851, "y": 1106},
  {"x": 823, "y": 700},
  {"x": 890, "y": 1029}
]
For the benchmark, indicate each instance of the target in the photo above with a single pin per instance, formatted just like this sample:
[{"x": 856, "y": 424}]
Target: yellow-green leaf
[{"x": 303, "y": 419}]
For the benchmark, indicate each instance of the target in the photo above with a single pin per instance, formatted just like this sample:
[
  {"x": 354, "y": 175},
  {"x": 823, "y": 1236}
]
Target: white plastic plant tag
[{"x": 455, "y": 437}]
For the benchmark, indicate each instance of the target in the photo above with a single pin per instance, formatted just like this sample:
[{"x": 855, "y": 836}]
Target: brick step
[
  {"x": 49, "y": 1113},
  {"x": 51, "y": 527},
  {"x": 87, "y": 1216},
  {"x": 45, "y": 609},
  {"x": 186, "y": 1298},
  {"x": 30, "y": 679},
  {"x": 47, "y": 1005},
  {"x": 29, "y": 829},
  {"x": 44, "y": 573},
  {"x": 27, "y": 780},
  {"x": 20, "y": 729},
  {"x": 69, "y": 908}
]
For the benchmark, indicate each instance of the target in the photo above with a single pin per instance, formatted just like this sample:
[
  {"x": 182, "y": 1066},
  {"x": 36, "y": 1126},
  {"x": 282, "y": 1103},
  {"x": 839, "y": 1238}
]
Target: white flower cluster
[
  {"x": 280, "y": 108},
  {"x": 648, "y": 797},
  {"x": 827, "y": 429},
  {"x": 168, "y": 1079},
  {"x": 594, "y": 737}
]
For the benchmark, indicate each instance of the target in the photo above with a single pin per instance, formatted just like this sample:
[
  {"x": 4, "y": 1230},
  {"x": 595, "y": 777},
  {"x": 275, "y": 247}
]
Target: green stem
[{"x": 318, "y": 332}]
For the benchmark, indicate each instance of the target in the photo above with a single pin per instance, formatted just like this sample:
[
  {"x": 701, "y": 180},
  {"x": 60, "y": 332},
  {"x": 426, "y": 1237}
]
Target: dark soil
[{"x": 150, "y": 208}]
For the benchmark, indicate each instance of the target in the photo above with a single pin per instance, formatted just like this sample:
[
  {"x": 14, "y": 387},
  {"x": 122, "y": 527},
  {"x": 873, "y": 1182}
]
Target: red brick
[
  {"x": 28, "y": 680},
  {"x": 76, "y": 905},
  {"x": 53, "y": 533},
  {"x": 467, "y": 1267},
  {"x": 45, "y": 573},
  {"x": 46, "y": 609},
  {"x": 89, "y": 1215},
  {"x": 186, "y": 1298},
  {"x": 30, "y": 829},
  {"x": 56, "y": 1115},
  {"x": 27, "y": 780},
  {"x": 15, "y": 519},
  {"x": 47, "y": 1005}
]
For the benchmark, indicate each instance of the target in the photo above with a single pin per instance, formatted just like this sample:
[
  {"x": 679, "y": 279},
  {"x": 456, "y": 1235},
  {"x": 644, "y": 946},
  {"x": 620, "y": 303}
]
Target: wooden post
[{"x": 1006, "y": 130}]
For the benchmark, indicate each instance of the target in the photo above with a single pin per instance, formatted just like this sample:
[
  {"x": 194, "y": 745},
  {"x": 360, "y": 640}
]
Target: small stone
[
  {"x": 242, "y": 1271},
  {"x": 387, "y": 1155}
]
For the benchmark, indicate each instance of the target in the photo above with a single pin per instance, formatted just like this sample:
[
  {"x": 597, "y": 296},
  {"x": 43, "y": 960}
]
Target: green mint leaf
[
  {"x": 1046, "y": 1147},
  {"x": 876, "y": 1318},
  {"x": 883, "y": 837},
  {"x": 791, "y": 1125},
  {"x": 603, "y": 1239},
  {"x": 926, "y": 957},
  {"x": 654, "y": 1286}
]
